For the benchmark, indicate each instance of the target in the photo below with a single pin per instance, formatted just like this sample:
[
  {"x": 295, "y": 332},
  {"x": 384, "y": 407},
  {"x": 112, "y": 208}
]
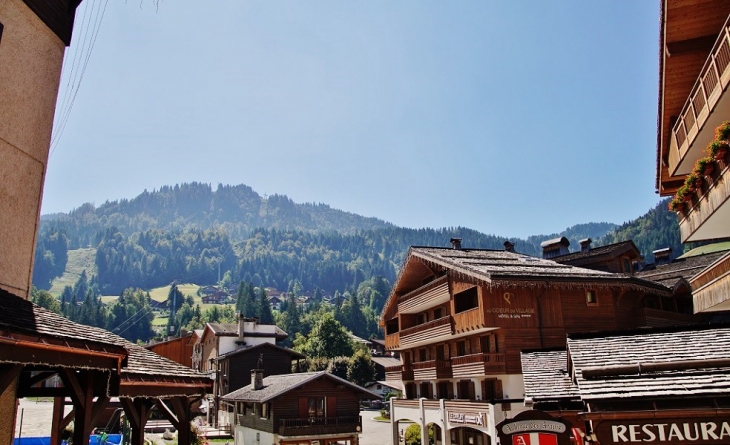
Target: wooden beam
[
  {"x": 8, "y": 374},
  {"x": 56, "y": 420},
  {"x": 41, "y": 376},
  {"x": 98, "y": 409},
  {"x": 82, "y": 420},
  {"x": 72, "y": 383},
  {"x": 167, "y": 412},
  {"x": 137, "y": 411},
  {"x": 702, "y": 44},
  {"x": 181, "y": 406}
]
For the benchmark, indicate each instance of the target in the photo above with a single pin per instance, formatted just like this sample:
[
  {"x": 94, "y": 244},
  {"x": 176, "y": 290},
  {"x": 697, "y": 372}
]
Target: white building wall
[{"x": 248, "y": 436}]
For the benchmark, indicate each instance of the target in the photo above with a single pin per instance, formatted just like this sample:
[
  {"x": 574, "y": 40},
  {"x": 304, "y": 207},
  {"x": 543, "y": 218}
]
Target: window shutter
[
  {"x": 302, "y": 407},
  {"x": 331, "y": 407},
  {"x": 498, "y": 389},
  {"x": 472, "y": 392}
]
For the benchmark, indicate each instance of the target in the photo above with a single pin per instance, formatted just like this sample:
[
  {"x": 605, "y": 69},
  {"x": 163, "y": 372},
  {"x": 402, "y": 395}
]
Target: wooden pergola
[{"x": 93, "y": 365}]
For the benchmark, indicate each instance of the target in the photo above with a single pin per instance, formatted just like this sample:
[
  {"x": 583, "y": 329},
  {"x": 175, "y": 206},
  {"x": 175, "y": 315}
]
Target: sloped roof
[
  {"x": 546, "y": 376},
  {"x": 224, "y": 329},
  {"x": 23, "y": 317},
  {"x": 680, "y": 269},
  {"x": 594, "y": 253},
  {"x": 255, "y": 348},
  {"x": 277, "y": 385},
  {"x": 386, "y": 362},
  {"x": 512, "y": 269},
  {"x": 680, "y": 349}
]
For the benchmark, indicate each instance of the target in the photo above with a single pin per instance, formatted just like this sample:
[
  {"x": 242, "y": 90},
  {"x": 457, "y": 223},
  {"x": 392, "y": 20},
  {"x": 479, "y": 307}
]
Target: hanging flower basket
[
  {"x": 720, "y": 154},
  {"x": 709, "y": 168}
]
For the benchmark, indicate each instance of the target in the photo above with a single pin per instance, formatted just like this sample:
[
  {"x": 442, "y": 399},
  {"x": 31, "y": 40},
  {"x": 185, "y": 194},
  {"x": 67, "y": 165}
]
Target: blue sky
[{"x": 513, "y": 118}]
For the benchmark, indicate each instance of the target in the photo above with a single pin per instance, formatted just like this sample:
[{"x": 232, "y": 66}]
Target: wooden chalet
[
  {"x": 179, "y": 350},
  {"x": 618, "y": 257},
  {"x": 694, "y": 73},
  {"x": 664, "y": 385},
  {"x": 460, "y": 317},
  {"x": 307, "y": 408},
  {"x": 93, "y": 365}
]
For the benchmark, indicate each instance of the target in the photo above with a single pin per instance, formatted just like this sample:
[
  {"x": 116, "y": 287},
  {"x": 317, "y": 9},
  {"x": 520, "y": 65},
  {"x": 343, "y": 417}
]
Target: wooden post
[
  {"x": 57, "y": 417},
  {"x": 181, "y": 406},
  {"x": 82, "y": 420},
  {"x": 137, "y": 411}
]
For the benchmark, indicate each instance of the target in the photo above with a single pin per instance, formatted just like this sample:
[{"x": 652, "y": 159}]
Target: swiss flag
[{"x": 535, "y": 439}]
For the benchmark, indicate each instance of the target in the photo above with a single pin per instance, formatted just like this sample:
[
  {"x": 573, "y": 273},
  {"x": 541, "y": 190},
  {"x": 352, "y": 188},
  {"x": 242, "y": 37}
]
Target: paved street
[{"x": 374, "y": 433}]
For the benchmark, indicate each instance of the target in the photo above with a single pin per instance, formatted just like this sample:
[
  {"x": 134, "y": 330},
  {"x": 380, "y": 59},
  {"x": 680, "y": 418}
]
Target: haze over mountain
[{"x": 186, "y": 232}]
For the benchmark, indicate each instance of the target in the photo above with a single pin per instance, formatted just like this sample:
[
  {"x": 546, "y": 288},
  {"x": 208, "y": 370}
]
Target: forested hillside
[{"x": 192, "y": 233}]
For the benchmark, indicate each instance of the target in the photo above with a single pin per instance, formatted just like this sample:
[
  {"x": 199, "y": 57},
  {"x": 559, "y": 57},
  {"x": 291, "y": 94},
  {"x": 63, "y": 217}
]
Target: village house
[
  {"x": 179, "y": 350},
  {"x": 694, "y": 72},
  {"x": 664, "y": 385},
  {"x": 310, "y": 408},
  {"x": 460, "y": 317}
]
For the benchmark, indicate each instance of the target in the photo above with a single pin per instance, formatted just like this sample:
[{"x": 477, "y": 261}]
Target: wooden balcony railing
[
  {"x": 392, "y": 341},
  {"x": 658, "y": 317},
  {"x": 712, "y": 81},
  {"x": 424, "y": 326},
  {"x": 468, "y": 320},
  {"x": 398, "y": 372},
  {"x": 478, "y": 364},
  {"x": 432, "y": 369},
  {"x": 320, "y": 425},
  {"x": 427, "y": 331}
]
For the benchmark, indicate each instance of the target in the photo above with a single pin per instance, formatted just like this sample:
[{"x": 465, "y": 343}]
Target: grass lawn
[
  {"x": 161, "y": 321},
  {"x": 160, "y": 293},
  {"x": 78, "y": 261}
]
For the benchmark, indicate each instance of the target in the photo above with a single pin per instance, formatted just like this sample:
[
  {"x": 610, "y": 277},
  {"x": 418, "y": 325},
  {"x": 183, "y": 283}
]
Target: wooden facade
[
  {"x": 469, "y": 313},
  {"x": 234, "y": 368},
  {"x": 179, "y": 350},
  {"x": 300, "y": 408}
]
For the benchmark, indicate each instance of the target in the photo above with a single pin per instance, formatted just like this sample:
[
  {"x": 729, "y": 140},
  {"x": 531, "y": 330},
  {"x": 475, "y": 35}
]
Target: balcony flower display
[
  {"x": 718, "y": 149},
  {"x": 693, "y": 182},
  {"x": 705, "y": 166},
  {"x": 677, "y": 205},
  {"x": 722, "y": 133}
]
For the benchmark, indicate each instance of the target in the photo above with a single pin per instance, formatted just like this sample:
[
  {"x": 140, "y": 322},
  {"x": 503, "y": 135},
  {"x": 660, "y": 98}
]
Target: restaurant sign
[
  {"x": 534, "y": 428},
  {"x": 466, "y": 418},
  {"x": 699, "y": 431}
]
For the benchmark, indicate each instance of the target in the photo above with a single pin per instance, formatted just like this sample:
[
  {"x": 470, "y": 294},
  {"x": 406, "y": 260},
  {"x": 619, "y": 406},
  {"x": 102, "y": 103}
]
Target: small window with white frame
[{"x": 591, "y": 298}]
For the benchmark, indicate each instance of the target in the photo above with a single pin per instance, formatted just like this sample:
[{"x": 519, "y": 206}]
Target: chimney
[
  {"x": 257, "y": 379},
  {"x": 456, "y": 243},
  {"x": 555, "y": 247},
  {"x": 241, "y": 328},
  {"x": 662, "y": 256},
  {"x": 509, "y": 246},
  {"x": 585, "y": 245}
]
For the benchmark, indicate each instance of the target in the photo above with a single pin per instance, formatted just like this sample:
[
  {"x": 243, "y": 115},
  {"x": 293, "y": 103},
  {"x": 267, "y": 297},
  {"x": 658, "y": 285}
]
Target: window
[
  {"x": 460, "y": 348},
  {"x": 422, "y": 356},
  {"x": 591, "y": 299},
  {"x": 1, "y": 32},
  {"x": 627, "y": 265},
  {"x": 468, "y": 299},
  {"x": 315, "y": 407},
  {"x": 264, "y": 410},
  {"x": 437, "y": 313}
]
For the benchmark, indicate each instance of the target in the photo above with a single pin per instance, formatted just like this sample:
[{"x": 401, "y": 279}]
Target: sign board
[
  {"x": 534, "y": 428},
  {"x": 694, "y": 430},
  {"x": 459, "y": 418}
]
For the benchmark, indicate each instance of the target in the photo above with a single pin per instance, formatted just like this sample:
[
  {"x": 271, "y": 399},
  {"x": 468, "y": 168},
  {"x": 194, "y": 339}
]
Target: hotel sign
[
  {"x": 696, "y": 431},
  {"x": 534, "y": 428},
  {"x": 466, "y": 418}
]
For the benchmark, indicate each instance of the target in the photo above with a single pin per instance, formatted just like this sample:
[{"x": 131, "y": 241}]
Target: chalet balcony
[
  {"x": 656, "y": 318},
  {"x": 709, "y": 211},
  {"x": 319, "y": 426},
  {"x": 432, "y": 369},
  {"x": 433, "y": 331},
  {"x": 468, "y": 320},
  {"x": 705, "y": 109},
  {"x": 711, "y": 288},
  {"x": 425, "y": 297},
  {"x": 392, "y": 341},
  {"x": 397, "y": 373},
  {"x": 475, "y": 365}
]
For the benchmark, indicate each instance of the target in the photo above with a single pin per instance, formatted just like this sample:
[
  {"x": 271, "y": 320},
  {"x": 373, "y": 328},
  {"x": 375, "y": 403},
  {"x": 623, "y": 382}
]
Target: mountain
[{"x": 190, "y": 232}]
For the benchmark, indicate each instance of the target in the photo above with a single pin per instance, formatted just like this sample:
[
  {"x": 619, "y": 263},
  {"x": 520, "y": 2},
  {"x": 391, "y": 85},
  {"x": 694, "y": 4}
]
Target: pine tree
[{"x": 264, "y": 308}]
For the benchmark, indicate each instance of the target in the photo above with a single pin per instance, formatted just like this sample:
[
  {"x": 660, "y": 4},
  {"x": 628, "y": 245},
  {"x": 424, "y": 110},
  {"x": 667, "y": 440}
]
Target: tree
[
  {"x": 44, "y": 299},
  {"x": 353, "y": 317},
  {"x": 246, "y": 300},
  {"x": 412, "y": 435},
  {"x": 339, "y": 366},
  {"x": 263, "y": 310},
  {"x": 361, "y": 368},
  {"x": 328, "y": 339}
]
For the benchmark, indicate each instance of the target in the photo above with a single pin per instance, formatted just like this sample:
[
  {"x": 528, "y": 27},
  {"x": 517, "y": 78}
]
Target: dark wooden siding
[
  {"x": 58, "y": 15},
  {"x": 276, "y": 362}
]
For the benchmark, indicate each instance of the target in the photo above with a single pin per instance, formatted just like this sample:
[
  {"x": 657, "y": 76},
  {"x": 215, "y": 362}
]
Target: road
[{"x": 373, "y": 432}]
